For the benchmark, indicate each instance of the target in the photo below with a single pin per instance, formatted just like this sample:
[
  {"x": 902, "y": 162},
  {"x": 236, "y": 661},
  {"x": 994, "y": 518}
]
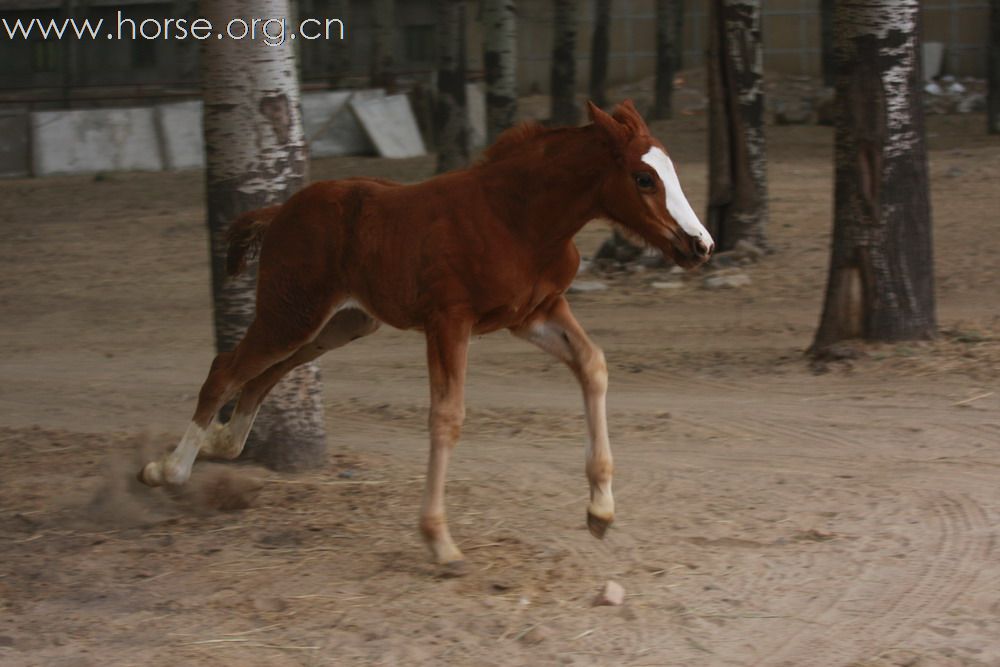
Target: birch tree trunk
[
  {"x": 993, "y": 103},
  {"x": 562, "y": 81},
  {"x": 383, "y": 60},
  {"x": 256, "y": 156},
  {"x": 666, "y": 56},
  {"x": 599, "y": 53},
  {"x": 451, "y": 116},
  {"x": 499, "y": 65},
  {"x": 737, "y": 193},
  {"x": 881, "y": 280}
]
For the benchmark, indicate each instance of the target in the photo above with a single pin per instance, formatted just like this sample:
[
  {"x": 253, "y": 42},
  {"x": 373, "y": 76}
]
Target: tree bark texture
[
  {"x": 383, "y": 62},
  {"x": 599, "y": 48},
  {"x": 499, "y": 19},
  {"x": 256, "y": 156},
  {"x": 667, "y": 48},
  {"x": 451, "y": 116},
  {"x": 562, "y": 82},
  {"x": 881, "y": 280},
  {"x": 340, "y": 60},
  {"x": 826, "y": 41},
  {"x": 737, "y": 207},
  {"x": 993, "y": 101}
]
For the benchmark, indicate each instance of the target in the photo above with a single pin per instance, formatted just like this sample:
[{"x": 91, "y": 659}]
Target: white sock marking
[{"x": 677, "y": 203}]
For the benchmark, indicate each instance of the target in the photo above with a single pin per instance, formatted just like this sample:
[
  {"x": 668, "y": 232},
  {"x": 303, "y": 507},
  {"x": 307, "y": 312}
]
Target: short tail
[{"x": 245, "y": 235}]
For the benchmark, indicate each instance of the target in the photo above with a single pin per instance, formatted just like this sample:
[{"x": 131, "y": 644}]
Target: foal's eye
[{"x": 644, "y": 181}]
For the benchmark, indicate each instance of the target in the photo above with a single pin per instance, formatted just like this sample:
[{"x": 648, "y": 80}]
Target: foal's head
[{"x": 641, "y": 192}]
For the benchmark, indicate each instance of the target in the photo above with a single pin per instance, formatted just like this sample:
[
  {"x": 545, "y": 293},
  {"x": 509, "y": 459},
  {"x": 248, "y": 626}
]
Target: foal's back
[{"x": 406, "y": 252}]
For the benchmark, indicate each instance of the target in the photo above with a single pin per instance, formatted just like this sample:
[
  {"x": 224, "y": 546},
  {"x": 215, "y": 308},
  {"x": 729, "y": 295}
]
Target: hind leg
[
  {"x": 230, "y": 371},
  {"x": 227, "y": 441}
]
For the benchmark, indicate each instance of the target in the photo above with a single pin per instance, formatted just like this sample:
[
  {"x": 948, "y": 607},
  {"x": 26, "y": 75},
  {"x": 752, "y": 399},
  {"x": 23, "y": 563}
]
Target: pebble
[
  {"x": 726, "y": 280},
  {"x": 611, "y": 595},
  {"x": 668, "y": 284},
  {"x": 587, "y": 286}
]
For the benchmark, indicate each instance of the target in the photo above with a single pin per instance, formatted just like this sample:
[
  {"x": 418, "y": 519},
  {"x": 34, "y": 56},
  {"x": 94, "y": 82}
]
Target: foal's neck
[{"x": 547, "y": 190}]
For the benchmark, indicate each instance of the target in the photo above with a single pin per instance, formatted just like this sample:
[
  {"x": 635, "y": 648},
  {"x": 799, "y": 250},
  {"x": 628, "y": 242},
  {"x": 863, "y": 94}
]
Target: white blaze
[{"x": 677, "y": 203}]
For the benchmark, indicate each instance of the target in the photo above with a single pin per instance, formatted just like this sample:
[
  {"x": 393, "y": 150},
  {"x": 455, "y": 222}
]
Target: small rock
[
  {"x": 974, "y": 103},
  {"x": 272, "y": 604},
  {"x": 611, "y": 595},
  {"x": 580, "y": 286},
  {"x": 667, "y": 284},
  {"x": 744, "y": 248},
  {"x": 726, "y": 280},
  {"x": 536, "y": 635},
  {"x": 793, "y": 113}
]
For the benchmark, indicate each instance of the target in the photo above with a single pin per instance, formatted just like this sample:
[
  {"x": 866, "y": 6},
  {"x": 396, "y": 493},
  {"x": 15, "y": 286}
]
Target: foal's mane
[{"x": 521, "y": 136}]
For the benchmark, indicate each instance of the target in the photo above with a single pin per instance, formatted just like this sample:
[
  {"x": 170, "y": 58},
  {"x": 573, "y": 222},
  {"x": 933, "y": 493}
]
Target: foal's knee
[
  {"x": 446, "y": 422},
  {"x": 594, "y": 369}
]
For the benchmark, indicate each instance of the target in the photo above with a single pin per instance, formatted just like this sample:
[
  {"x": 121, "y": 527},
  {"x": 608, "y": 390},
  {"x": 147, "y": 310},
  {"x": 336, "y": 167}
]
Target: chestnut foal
[{"x": 468, "y": 252}]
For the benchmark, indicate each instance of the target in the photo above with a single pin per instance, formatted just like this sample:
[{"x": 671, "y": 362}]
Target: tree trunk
[
  {"x": 383, "y": 61},
  {"x": 562, "y": 81},
  {"x": 666, "y": 56},
  {"x": 599, "y": 53},
  {"x": 993, "y": 104},
  {"x": 881, "y": 281},
  {"x": 737, "y": 192},
  {"x": 256, "y": 156},
  {"x": 826, "y": 41},
  {"x": 451, "y": 116},
  {"x": 679, "y": 34},
  {"x": 499, "y": 65},
  {"x": 340, "y": 58}
]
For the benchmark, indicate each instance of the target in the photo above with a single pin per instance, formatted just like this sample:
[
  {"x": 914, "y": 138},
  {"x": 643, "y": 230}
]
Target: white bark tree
[
  {"x": 881, "y": 280},
  {"x": 993, "y": 103},
  {"x": 562, "y": 81},
  {"x": 383, "y": 60},
  {"x": 600, "y": 44},
  {"x": 737, "y": 192},
  {"x": 256, "y": 156},
  {"x": 451, "y": 115},
  {"x": 499, "y": 19}
]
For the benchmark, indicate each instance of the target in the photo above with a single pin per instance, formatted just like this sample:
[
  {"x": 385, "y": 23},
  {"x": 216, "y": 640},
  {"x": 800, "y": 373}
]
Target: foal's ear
[
  {"x": 629, "y": 116},
  {"x": 615, "y": 130}
]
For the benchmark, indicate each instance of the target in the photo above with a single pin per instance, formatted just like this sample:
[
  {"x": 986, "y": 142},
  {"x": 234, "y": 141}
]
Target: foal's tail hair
[{"x": 245, "y": 235}]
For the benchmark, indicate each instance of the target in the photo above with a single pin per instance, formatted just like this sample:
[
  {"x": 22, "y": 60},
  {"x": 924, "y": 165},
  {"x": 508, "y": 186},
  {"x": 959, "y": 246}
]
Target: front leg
[
  {"x": 447, "y": 348},
  {"x": 557, "y": 332}
]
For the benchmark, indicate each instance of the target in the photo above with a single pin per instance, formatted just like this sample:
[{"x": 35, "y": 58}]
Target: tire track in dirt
[{"x": 943, "y": 571}]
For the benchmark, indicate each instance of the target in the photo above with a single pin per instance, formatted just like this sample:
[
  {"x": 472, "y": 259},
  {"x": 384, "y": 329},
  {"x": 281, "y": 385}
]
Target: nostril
[{"x": 704, "y": 249}]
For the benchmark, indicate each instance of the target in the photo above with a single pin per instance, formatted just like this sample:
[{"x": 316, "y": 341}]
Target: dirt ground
[{"x": 769, "y": 513}]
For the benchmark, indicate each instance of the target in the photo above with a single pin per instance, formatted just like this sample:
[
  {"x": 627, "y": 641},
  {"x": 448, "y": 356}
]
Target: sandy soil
[{"x": 769, "y": 513}]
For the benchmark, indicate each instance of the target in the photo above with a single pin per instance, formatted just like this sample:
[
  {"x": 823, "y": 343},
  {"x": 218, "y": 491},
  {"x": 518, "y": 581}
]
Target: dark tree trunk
[
  {"x": 666, "y": 56},
  {"x": 340, "y": 57},
  {"x": 826, "y": 41},
  {"x": 499, "y": 65},
  {"x": 563, "y": 79},
  {"x": 993, "y": 104},
  {"x": 383, "y": 62},
  {"x": 599, "y": 53},
  {"x": 451, "y": 117},
  {"x": 881, "y": 281},
  {"x": 737, "y": 192},
  {"x": 256, "y": 156},
  {"x": 679, "y": 35}
]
